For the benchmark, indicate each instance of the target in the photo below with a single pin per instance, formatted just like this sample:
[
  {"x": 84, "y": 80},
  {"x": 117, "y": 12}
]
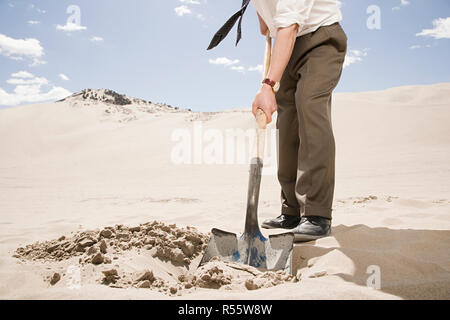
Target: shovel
[{"x": 252, "y": 248}]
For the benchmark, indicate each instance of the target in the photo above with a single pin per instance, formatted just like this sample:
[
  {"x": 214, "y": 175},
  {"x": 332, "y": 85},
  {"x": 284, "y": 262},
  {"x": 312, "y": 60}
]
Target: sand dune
[{"x": 68, "y": 167}]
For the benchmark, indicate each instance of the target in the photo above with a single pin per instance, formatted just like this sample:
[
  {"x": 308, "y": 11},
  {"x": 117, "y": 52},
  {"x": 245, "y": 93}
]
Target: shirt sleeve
[{"x": 289, "y": 12}]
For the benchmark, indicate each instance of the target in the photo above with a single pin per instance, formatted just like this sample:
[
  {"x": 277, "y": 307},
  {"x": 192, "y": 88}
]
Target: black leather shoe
[
  {"x": 311, "y": 228},
  {"x": 283, "y": 221}
]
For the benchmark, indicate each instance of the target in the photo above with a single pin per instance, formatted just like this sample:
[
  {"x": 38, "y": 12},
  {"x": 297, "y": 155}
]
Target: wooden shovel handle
[
  {"x": 267, "y": 56},
  {"x": 261, "y": 118}
]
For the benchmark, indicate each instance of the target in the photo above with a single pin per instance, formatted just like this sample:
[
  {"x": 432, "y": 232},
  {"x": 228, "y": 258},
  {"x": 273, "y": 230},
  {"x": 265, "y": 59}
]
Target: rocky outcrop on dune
[{"x": 116, "y": 105}]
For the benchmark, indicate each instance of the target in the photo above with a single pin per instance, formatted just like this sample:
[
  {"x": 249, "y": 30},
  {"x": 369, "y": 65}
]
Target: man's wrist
[
  {"x": 271, "y": 83},
  {"x": 266, "y": 87}
]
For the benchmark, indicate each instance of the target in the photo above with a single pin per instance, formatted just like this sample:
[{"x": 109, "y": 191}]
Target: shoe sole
[
  {"x": 307, "y": 237},
  {"x": 266, "y": 226}
]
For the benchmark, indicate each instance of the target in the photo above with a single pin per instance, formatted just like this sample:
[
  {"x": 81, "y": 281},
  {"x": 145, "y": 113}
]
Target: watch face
[{"x": 276, "y": 87}]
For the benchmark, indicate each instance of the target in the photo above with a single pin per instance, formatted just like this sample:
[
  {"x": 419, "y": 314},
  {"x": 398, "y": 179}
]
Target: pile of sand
[
  {"x": 167, "y": 242},
  {"x": 103, "y": 256}
]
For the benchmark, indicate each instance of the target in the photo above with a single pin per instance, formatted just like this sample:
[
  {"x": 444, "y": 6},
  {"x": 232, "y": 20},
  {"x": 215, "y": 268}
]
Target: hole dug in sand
[
  {"x": 152, "y": 255},
  {"x": 218, "y": 274}
]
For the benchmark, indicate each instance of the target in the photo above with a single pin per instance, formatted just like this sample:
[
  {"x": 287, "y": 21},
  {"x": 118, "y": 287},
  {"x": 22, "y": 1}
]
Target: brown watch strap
[{"x": 269, "y": 82}]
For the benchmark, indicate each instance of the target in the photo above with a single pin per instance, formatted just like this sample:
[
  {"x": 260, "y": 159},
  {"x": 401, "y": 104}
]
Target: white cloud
[
  {"x": 64, "y": 77},
  {"x": 201, "y": 17},
  {"x": 70, "y": 27},
  {"x": 26, "y": 47},
  {"x": 22, "y": 74},
  {"x": 223, "y": 61},
  {"x": 186, "y": 10},
  {"x": 29, "y": 90},
  {"x": 31, "y": 94},
  {"x": 33, "y": 22},
  {"x": 441, "y": 29},
  {"x": 418, "y": 46},
  {"x": 32, "y": 6},
  {"x": 354, "y": 56},
  {"x": 258, "y": 68},
  {"x": 18, "y": 48},
  {"x": 235, "y": 65},
  {"x": 238, "y": 68},
  {"x": 190, "y": 1},
  {"x": 96, "y": 39},
  {"x": 402, "y": 3},
  {"x": 182, "y": 10},
  {"x": 33, "y": 81},
  {"x": 37, "y": 62}
]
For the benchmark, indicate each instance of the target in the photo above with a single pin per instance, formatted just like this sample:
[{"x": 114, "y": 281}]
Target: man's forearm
[
  {"x": 262, "y": 25},
  {"x": 282, "y": 51}
]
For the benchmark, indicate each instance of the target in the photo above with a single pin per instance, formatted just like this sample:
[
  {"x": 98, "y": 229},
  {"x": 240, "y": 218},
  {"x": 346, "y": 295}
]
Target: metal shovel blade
[
  {"x": 254, "y": 250},
  {"x": 251, "y": 248}
]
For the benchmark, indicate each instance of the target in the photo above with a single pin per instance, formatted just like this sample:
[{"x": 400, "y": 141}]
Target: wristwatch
[{"x": 275, "y": 85}]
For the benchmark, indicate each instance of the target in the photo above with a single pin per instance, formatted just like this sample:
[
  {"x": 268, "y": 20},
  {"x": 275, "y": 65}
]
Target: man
[{"x": 307, "y": 60}]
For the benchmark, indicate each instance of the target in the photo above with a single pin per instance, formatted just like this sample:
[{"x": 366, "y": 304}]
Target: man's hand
[{"x": 265, "y": 100}]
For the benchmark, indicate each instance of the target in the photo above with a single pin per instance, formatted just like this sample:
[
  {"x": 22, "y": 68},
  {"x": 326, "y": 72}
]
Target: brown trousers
[{"x": 306, "y": 147}]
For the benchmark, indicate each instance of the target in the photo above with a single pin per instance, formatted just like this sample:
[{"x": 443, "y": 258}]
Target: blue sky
[{"x": 156, "y": 49}]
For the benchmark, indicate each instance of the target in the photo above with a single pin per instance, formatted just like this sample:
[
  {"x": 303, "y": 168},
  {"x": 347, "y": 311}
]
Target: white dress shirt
[{"x": 308, "y": 14}]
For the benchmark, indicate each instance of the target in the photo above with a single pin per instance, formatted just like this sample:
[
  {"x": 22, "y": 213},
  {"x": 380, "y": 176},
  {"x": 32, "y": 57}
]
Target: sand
[
  {"x": 172, "y": 253},
  {"x": 68, "y": 170}
]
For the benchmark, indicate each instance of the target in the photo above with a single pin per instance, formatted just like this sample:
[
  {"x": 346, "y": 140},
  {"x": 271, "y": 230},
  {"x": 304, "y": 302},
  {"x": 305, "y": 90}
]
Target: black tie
[{"x": 223, "y": 32}]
